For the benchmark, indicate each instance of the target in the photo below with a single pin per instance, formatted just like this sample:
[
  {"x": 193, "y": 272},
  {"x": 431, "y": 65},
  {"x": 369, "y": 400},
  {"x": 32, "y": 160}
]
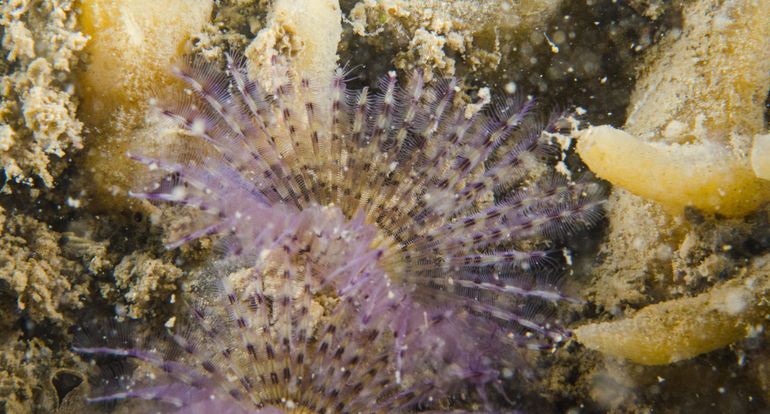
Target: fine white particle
[
  {"x": 510, "y": 87},
  {"x": 554, "y": 48},
  {"x": 198, "y": 127},
  {"x": 178, "y": 193},
  {"x": 674, "y": 129},
  {"x": 73, "y": 202},
  {"x": 736, "y": 301}
]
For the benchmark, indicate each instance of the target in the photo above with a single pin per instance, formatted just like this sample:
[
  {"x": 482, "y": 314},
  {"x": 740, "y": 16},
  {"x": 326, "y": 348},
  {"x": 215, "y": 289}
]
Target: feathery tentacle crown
[
  {"x": 421, "y": 216},
  {"x": 267, "y": 346}
]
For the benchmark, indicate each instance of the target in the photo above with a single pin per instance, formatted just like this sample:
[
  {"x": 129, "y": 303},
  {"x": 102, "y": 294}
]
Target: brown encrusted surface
[
  {"x": 47, "y": 286},
  {"x": 29, "y": 373},
  {"x": 562, "y": 52},
  {"x": 433, "y": 33},
  {"x": 673, "y": 256},
  {"x": 51, "y": 282},
  {"x": 147, "y": 281},
  {"x": 38, "y": 123}
]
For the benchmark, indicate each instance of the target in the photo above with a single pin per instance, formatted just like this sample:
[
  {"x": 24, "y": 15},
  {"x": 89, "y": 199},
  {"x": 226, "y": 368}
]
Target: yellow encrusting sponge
[
  {"x": 132, "y": 43},
  {"x": 680, "y": 329},
  {"x": 706, "y": 176}
]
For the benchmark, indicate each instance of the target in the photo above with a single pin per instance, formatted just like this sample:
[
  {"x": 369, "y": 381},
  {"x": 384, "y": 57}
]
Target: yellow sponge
[
  {"x": 683, "y": 328},
  {"x": 132, "y": 43},
  {"x": 706, "y": 176}
]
